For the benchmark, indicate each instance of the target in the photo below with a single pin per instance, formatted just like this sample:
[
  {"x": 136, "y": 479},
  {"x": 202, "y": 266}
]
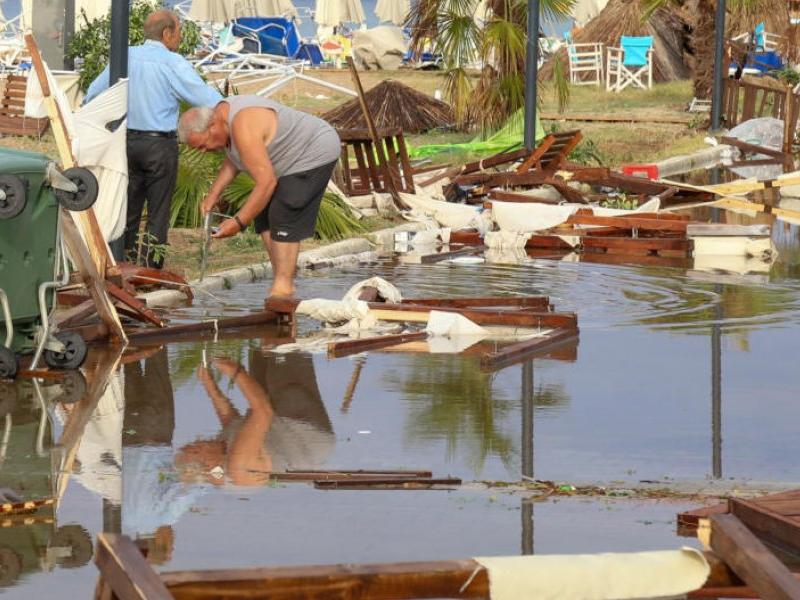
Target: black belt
[{"x": 161, "y": 134}]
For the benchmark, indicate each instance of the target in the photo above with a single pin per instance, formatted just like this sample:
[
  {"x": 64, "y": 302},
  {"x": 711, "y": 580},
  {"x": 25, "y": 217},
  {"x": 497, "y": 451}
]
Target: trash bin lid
[{"x": 16, "y": 162}]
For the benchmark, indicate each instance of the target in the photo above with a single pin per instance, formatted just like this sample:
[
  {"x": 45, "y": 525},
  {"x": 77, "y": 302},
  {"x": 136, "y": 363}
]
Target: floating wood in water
[
  {"x": 630, "y": 222},
  {"x": 348, "y": 347},
  {"x": 541, "y": 302},
  {"x": 386, "y": 483},
  {"x": 482, "y": 316},
  {"x": 750, "y": 559},
  {"x": 171, "y": 332},
  {"x": 347, "y": 475},
  {"x": 774, "y": 520},
  {"x": 511, "y": 353},
  {"x": 430, "y": 259}
]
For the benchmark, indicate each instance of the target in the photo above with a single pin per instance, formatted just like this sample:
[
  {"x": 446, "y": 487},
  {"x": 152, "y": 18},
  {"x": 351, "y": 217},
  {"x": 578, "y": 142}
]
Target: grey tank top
[{"x": 301, "y": 142}]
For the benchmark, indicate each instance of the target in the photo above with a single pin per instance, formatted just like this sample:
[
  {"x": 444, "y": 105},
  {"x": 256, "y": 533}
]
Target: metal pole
[
  {"x": 716, "y": 90},
  {"x": 69, "y": 32},
  {"x": 527, "y": 454},
  {"x": 531, "y": 73},
  {"x": 716, "y": 387},
  {"x": 118, "y": 63}
]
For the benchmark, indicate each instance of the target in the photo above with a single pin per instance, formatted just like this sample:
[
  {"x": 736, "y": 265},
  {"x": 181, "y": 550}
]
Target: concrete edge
[{"x": 339, "y": 253}]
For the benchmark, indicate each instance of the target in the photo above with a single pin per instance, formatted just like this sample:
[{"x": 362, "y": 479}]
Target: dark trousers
[{"x": 152, "y": 171}]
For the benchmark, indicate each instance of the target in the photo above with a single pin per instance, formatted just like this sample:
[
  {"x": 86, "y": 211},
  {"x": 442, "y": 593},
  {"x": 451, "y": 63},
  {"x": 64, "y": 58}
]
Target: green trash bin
[{"x": 31, "y": 190}]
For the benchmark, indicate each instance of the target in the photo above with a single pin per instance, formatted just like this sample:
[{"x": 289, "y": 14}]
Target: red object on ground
[{"x": 649, "y": 171}]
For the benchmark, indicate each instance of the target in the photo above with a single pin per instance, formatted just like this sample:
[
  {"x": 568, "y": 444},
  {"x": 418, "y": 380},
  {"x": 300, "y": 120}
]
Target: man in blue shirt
[{"x": 159, "y": 78}]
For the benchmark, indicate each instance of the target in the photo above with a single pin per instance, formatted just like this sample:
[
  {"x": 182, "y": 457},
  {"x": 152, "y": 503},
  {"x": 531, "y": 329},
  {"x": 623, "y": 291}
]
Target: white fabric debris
[
  {"x": 333, "y": 311},
  {"x": 449, "y": 324},
  {"x": 446, "y": 214},
  {"x": 659, "y": 574},
  {"x": 98, "y": 134},
  {"x": 388, "y": 291},
  {"x": 506, "y": 256},
  {"x": 524, "y": 217},
  {"x": 505, "y": 239}
]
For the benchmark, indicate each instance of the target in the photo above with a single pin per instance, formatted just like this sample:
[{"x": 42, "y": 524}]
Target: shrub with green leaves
[{"x": 92, "y": 43}]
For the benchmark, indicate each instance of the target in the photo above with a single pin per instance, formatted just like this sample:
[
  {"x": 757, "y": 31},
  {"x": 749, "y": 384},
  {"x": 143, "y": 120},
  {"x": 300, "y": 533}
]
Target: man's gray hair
[
  {"x": 194, "y": 120},
  {"x": 156, "y": 23}
]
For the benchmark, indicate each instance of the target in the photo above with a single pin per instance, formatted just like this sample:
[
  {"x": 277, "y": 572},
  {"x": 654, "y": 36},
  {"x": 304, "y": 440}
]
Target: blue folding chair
[
  {"x": 277, "y": 36},
  {"x": 629, "y": 64}
]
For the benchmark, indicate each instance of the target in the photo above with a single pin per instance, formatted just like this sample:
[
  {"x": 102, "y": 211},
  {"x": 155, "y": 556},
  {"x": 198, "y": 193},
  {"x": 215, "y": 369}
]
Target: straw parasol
[
  {"x": 335, "y": 12},
  {"x": 393, "y": 104},
  {"x": 394, "y": 11}
]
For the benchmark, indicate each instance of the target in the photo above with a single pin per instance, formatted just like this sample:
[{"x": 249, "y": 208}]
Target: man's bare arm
[
  {"x": 226, "y": 174},
  {"x": 249, "y": 130}
]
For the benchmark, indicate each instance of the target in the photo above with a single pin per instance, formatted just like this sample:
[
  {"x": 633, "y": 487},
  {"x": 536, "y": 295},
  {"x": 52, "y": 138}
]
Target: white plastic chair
[
  {"x": 584, "y": 57},
  {"x": 630, "y": 64}
]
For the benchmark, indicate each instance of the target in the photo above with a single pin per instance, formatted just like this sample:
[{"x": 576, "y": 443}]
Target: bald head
[{"x": 163, "y": 26}]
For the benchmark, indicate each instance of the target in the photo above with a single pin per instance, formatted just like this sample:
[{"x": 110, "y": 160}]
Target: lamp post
[
  {"x": 716, "y": 90},
  {"x": 531, "y": 73},
  {"x": 118, "y": 63}
]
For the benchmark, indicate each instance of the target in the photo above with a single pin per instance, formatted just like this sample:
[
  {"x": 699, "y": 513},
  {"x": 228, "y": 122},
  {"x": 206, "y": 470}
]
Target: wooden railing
[{"x": 744, "y": 100}]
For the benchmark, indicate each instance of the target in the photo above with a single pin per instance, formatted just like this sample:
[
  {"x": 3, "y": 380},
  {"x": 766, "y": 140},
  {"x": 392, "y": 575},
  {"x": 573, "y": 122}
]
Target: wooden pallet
[{"x": 12, "y": 110}]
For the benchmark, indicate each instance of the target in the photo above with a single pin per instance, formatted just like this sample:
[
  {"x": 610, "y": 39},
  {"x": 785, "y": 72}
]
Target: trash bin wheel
[
  {"x": 74, "y": 352},
  {"x": 8, "y": 363},
  {"x": 73, "y": 387},
  {"x": 84, "y": 198},
  {"x": 13, "y": 194}
]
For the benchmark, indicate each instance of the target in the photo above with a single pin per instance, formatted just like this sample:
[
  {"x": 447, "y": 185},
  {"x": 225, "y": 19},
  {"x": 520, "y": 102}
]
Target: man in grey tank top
[{"x": 289, "y": 154}]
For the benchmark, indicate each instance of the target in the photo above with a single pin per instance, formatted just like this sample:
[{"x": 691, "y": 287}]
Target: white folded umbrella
[
  {"x": 335, "y": 12},
  {"x": 394, "y": 11}
]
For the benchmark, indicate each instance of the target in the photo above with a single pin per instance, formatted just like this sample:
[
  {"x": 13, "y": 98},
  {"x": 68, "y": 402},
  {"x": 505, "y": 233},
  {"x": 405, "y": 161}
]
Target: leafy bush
[{"x": 92, "y": 43}]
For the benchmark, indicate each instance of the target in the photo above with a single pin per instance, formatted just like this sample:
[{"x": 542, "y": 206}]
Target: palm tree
[{"x": 490, "y": 34}]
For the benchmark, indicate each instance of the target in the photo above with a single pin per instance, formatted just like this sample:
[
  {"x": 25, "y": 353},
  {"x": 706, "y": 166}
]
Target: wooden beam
[
  {"x": 390, "y": 581},
  {"x": 750, "y": 559},
  {"x": 387, "y": 483},
  {"x": 167, "y": 334},
  {"x": 512, "y": 353},
  {"x": 125, "y": 571},
  {"x": 627, "y": 117},
  {"x": 542, "y": 302},
  {"x": 481, "y": 316},
  {"x": 768, "y": 524},
  {"x": 626, "y": 222},
  {"x": 349, "y": 347}
]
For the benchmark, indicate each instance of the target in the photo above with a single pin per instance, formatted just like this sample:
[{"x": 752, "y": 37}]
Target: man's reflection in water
[
  {"x": 153, "y": 497},
  {"x": 285, "y": 424}
]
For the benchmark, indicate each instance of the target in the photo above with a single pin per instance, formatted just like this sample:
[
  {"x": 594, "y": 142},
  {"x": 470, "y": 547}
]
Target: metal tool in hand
[{"x": 208, "y": 230}]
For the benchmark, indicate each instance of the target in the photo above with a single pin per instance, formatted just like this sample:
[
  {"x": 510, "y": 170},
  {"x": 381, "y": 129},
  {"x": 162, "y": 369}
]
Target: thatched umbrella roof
[
  {"x": 668, "y": 26},
  {"x": 393, "y": 104}
]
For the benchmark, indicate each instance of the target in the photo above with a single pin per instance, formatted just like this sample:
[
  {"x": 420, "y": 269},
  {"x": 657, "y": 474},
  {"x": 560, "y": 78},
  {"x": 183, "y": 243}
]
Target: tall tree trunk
[{"x": 702, "y": 43}]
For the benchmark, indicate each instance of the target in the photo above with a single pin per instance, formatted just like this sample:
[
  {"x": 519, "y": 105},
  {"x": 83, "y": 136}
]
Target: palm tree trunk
[{"x": 702, "y": 46}]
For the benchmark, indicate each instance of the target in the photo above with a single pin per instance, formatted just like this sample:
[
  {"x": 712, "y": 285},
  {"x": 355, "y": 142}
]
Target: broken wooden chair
[
  {"x": 368, "y": 173},
  {"x": 12, "y": 110}
]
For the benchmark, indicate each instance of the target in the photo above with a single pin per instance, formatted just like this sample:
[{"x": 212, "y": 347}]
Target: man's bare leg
[{"x": 283, "y": 257}]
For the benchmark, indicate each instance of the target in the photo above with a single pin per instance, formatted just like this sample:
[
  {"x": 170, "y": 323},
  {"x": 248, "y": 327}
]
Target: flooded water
[{"x": 681, "y": 375}]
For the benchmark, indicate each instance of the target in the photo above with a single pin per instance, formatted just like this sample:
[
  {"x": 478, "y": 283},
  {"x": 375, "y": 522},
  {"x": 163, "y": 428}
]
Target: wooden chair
[
  {"x": 369, "y": 174},
  {"x": 12, "y": 110},
  {"x": 551, "y": 152},
  {"x": 629, "y": 64},
  {"x": 584, "y": 58}
]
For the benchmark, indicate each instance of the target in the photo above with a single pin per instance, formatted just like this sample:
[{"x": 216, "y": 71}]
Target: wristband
[{"x": 241, "y": 225}]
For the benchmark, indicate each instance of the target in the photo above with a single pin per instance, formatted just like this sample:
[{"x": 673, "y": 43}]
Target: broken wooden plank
[
  {"x": 388, "y": 581},
  {"x": 387, "y": 483},
  {"x": 629, "y": 222},
  {"x": 213, "y": 325},
  {"x": 542, "y": 302},
  {"x": 627, "y": 117},
  {"x": 138, "y": 307},
  {"x": 753, "y": 148},
  {"x": 511, "y": 353},
  {"x": 349, "y": 347},
  {"x": 646, "y": 245},
  {"x": 480, "y": 316},
  {"x": 124, "y": 569},
  {"x": 770, "y": 525},
  {"x": 750, "y": 559},
  {"x": 345, "y": 474}
]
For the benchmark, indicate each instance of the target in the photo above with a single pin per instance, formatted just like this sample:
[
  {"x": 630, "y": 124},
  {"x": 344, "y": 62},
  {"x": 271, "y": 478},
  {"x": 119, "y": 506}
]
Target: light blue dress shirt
[{"x": 159, "y": 80}]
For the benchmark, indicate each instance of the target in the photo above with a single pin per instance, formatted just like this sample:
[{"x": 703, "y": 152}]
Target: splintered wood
[{"x": 530, "y": 314}]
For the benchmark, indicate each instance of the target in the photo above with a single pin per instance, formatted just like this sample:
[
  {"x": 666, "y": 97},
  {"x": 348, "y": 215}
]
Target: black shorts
[{"x": 291, "y": 214}]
